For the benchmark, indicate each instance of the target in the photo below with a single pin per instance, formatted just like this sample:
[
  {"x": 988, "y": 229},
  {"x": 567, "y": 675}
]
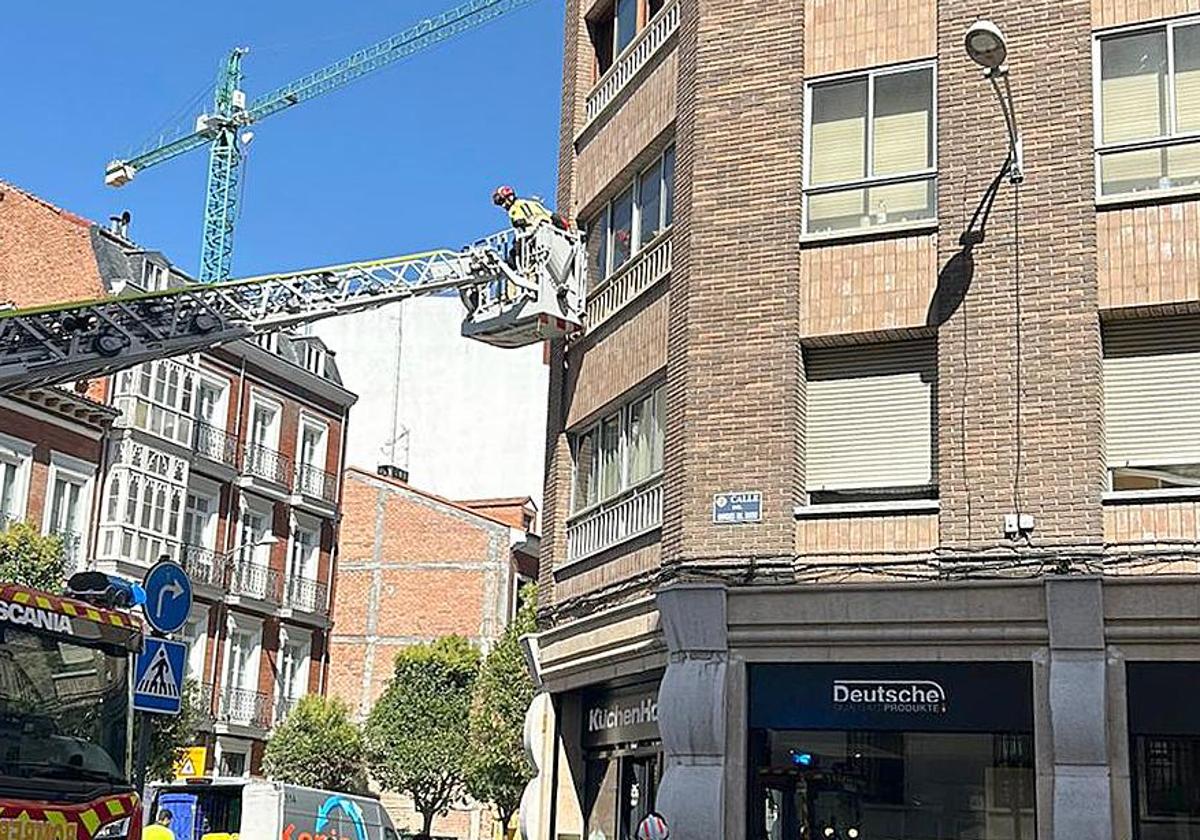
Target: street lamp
[{"x": 986, "y": 46}]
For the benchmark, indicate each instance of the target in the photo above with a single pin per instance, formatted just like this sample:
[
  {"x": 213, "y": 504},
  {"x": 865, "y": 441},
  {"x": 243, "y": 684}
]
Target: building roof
[
  {"x": 75, "y": 218},
  {"x": 69, "y": 404},
  {"x": 461, "y": 506}
]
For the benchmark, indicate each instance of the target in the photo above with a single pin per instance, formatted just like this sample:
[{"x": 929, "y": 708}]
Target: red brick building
[
  {"x": 415, "y": 567},
  {"x": 852, "y": 411},
  {"x": 226, "y": 461}
]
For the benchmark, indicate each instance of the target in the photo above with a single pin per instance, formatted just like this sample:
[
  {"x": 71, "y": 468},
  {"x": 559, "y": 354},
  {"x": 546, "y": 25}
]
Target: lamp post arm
[{"x": 1016, "y": 148}]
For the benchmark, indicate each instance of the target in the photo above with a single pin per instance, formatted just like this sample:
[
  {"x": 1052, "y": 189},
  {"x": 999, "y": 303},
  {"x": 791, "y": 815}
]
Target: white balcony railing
[
  {"x": 647, "y": 267},
  {"x": 632, "y": 59},
  {"x": 633, "y": 513}
]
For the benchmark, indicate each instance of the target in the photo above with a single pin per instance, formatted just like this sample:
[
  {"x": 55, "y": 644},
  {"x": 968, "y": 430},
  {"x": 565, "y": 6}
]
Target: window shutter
[
  {"x": 1151, "y": 383},
  {"x": 839, "y": 132},
  {"x": 869, "y": 416}
]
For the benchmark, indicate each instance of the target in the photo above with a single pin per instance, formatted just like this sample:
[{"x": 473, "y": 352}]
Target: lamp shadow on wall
[{"x": 954, "y": 280}]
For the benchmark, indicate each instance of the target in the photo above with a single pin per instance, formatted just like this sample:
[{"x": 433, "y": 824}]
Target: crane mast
[
  {"x": 519, "y": 288},
  {"x": 231, "y": 112}
]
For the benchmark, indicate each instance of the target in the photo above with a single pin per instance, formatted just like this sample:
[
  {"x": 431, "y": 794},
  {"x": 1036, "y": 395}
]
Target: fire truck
[{"x": 65, "y": 714}]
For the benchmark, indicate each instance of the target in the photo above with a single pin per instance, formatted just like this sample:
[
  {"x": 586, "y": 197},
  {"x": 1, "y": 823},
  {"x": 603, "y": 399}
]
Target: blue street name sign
[
  {"x": 158, "y": 677},
  {"x": 735, "y": 508},
  {"x": 168, "y": 596}
]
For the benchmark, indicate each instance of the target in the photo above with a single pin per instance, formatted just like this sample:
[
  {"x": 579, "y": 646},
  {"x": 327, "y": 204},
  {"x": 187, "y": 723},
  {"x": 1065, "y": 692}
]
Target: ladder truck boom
[{"x": 519, "y": 288}]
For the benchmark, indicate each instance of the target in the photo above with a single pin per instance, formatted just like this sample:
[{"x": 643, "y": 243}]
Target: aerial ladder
[
  {"x": 519, "y": 287},
  {"x": 223, "y": 130}
]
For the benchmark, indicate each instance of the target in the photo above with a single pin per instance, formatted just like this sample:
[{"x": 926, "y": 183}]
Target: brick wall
[
  {"x": 411, "y": 568},
  {"x": 1148, "y": 255},
  {"x": 734, "y": 328},
  {"x": 847, "y": 539},
  {"x": 876, "y": 286},
  {"x": 852, "y": 34},
  {"x": 1118, "y": 12},
  {"x": 1061, "y": 471},
  {"x": 45, "y": 253}
]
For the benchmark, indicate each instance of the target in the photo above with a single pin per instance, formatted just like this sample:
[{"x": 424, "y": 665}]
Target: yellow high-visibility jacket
[{"x": 527, "y": 213}]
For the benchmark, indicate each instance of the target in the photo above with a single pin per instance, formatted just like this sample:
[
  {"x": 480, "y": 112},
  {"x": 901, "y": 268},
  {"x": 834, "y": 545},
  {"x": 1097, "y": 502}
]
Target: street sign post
[
  {"x": 168, "y": 596},
  {"x": 158, "y": 677}
]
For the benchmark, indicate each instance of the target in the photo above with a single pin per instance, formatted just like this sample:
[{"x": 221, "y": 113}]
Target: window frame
[
  {"x": 623, "y": 411},
  {"x": 1167, "y": 140},
  {"x": 602, "y": 218},
  {"x": 311, "y": 422},
  {"x": 18, "y": 454},
  {"x": 870, "y": 74},
  {"x": 72, "y": 471}
]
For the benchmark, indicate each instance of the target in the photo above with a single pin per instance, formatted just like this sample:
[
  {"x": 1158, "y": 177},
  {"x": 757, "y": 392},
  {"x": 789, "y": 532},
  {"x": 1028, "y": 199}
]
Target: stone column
[
  {"x": 1082, "y": 801},
  {"x": 691, "y": 710}
]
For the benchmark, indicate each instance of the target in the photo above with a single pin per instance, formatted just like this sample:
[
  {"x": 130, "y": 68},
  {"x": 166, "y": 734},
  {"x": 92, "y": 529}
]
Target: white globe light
[{"x": 985, "y": 44}]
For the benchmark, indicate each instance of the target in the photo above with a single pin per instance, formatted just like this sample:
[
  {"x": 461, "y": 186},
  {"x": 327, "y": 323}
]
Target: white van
[{"x": 258, "y": 809}]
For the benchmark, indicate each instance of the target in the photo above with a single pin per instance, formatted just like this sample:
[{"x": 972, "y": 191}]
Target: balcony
[
  {"x": 256, "y": 580},
  {"x": 306, "y": 595},
  {"x": 635, "y": 512},
  {"x": 314, "y": 483},
  {"x": 283, "y": 708},
  {"x": 215, "y": 444},
  {"x": 267, "y": 464},
  {"x": 646, "y": 268},
  {"x": 632, "y": 59},
  {"x": 242, "y": 707},
  {"x": 204, "y": 566}
]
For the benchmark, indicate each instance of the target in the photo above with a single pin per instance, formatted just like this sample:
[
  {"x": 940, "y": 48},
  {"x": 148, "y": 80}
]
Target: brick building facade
[
  {"x": 226, "y": 461},
  {"x": 415, "y": 567},
  {"x": 831, "y": 350}
]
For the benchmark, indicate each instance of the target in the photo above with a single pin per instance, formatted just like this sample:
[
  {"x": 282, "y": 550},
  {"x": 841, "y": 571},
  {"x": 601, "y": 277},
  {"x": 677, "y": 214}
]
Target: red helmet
[{"x": 503, "y": 194}]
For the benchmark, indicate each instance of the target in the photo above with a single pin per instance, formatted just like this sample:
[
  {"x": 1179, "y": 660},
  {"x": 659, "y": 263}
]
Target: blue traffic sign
[
  {"x": 735, "y": 508},
  {"x": 168, "y": 596},
  {"x": 158, "y": 677}
]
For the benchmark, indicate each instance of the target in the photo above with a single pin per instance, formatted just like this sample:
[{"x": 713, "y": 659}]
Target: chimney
[
  {"x": 392, "y": 471},
  {"x": 120, "y": 224}
]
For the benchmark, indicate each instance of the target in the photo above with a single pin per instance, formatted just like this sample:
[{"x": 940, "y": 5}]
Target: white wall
[{"x": 476, "y": 414}]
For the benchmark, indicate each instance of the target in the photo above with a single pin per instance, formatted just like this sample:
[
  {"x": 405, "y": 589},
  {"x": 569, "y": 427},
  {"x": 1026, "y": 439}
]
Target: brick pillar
[
  {"x": 1061, "y": 473},
  {"x": 734, "y": 382}
]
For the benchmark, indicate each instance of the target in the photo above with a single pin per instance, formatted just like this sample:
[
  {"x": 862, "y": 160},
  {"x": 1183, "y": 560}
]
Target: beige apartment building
[{"x": 873, "y": 486}]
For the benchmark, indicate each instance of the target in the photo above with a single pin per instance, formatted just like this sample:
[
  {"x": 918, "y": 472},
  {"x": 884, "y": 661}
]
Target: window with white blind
[
  {"x": 620, "y": 451},
  {"x": 871, "y": 150},
  {"x": 870, "y": 429},
  {"x": 1151, "y": 413},
  {"x": 1148, "y": 108}
]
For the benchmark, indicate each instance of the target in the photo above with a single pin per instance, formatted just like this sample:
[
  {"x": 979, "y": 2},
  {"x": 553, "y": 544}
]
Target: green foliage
[
  {"x": 497, "y": 770},
  {"x": 416, "y": 735},
  {"x": 319, "y": 746},
  {"x": 30, "y": 559},
  {"x": 170, "y": 734}
]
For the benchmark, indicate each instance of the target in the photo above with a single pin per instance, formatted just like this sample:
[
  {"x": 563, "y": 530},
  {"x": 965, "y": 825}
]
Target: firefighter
[{"x": 526, "y": 213}]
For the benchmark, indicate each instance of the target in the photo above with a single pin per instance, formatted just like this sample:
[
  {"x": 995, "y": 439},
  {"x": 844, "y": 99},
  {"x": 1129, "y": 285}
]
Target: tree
[
  {"x": 169, "y": 734},
  {"x": 31, "y": 559},
  {"x": 416, "y": 734},
  {"x": 497, "y": 770},
  {"x": 319, "y": 746}
]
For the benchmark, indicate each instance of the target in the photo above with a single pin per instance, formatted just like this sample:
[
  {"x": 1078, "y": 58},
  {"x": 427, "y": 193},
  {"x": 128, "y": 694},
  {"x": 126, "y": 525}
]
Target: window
[
  {"x": 293, "y": 669},
  {"x": 1148, "y": 121},
  {"x": 869, "y": 422},
  {"x": 633, "y": 220},
  {"x": 312, "y": 444},
  {"x": 871, "y": 150},
  {"x": 233, "y": 763},
  {"x": 619, "y": 452},
  {"x": 252, "y": 543},
  {"x": 268, "y": 341},
  {"x": 313, "y": 357},
  {"x": 210, "y": 403},
  {"x": 15, "y": 457},
  {"x": 69, "y": 496},
  {"x": 195, "y": 633},
  {"x": 264, "y": 425},
  {"x": 154, "y": 276},
  {"x": 1151, "y": 426},
  {"x": 199, "y": 519},
  {"x": 158, "y": 398},
  {"x": 305, "y": 545},
  {"x": 617, "y": 26}
]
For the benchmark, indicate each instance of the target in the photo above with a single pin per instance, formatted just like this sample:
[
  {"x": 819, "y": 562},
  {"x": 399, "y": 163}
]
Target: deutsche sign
[{"x": 736, "y": 508}]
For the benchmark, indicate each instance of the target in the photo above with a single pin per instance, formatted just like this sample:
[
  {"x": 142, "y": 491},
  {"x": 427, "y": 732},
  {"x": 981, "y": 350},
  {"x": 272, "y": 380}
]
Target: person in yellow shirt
[
  {"x": 161, "y": 829},
  {"x": 526, "y": 213}
]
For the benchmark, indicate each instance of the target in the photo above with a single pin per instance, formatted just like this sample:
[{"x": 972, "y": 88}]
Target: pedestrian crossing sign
[{"x": 158, "y": 677}]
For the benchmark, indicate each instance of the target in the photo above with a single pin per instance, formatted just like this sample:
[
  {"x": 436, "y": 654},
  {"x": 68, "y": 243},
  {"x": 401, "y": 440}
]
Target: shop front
[
  {"x": 1164, "y": 748},
  {"x": 861, "y": 751}
]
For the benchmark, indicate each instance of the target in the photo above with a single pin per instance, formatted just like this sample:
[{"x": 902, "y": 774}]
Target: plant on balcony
[
  {"x": 416, "y": 733},
  {"x": 30, "y": 559},
  {"x": 170, "y": 734},
  {"x": 319, "y": 746},
  {"x": 497, "y": 770}
]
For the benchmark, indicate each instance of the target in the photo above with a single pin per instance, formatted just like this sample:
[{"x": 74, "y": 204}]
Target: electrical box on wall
[{"x": 1018, "y": 524}]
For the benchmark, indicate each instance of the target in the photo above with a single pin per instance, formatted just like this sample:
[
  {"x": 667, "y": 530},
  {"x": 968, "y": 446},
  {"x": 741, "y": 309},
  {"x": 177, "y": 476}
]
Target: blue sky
[{"x": 402, "y": 160}]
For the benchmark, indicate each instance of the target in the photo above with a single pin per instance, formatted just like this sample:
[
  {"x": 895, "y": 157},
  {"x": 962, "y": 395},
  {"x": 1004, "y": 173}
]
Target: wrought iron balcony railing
[
  {"x": 244, "y": 707},
  {"x": 204, "y": 566},
  {"x": 215, "y": 444},
  {"x": 255, "y": 579},
  {"x": 266, "y": 463},
  {"x": 316, "y": 483},
  {"x": 305, "y": 594}
]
